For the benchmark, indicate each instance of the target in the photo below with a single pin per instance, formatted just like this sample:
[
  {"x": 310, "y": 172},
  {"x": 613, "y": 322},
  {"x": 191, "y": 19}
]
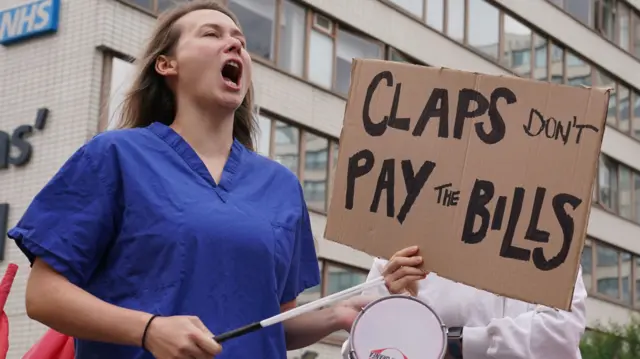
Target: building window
[
  {"x": 154, "y": 7},
  {"x": 619, "y": 189},
  {"x": 581, "y": 10},
  {"x": 257, "y": 18},
  {"x": 608, "y": 183},
  {"x": 540, "y": 54},
  {"x": 348, "y": 47},
  {"x": 397, "y": 56},
  {"x": 320, "y": 67},
  {"x": 334, "y": 277},
  {"x": 455, "y": 19},
  {"x": 413, "y": 7},
  {"x": 340, "y": 278},
  {"x": 316, "y": 167},
  {"x": 517, "y": 46},
  {"x": 605, "y": 13},
  {"x": 624, "y": 28},
  {"x": 286, "y": 149},
  {"x": 609, "y": 273},
  {"x": 586, "y": 261},
  {"x": 292, "y": 35},
  {"x": 117, "y": 79},
  {"x": 483, "y": 29},
  {"x": 578, "y": 70},
  {"x": 263, "y": 138},
  {"x": 435, "y": 14},
  {"x": 602, "y": 79},
  {"x": 311, "y": 156}
]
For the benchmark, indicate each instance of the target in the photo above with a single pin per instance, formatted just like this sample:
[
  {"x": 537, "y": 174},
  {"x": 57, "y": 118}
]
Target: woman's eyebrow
[{"x": 234, "y": 32}]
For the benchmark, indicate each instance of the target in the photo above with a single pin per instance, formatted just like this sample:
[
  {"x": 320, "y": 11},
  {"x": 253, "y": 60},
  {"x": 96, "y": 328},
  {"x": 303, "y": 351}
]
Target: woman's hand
[
  {"x": 180, "y": 337},
  {"x": 401, "y": 274}
]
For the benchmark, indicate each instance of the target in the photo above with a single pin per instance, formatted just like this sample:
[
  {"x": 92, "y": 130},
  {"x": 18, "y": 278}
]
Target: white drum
[{"x": 398, "y": 327}]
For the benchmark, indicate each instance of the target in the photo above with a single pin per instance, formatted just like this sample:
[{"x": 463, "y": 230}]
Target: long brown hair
[{"x": 150, "y": 99}]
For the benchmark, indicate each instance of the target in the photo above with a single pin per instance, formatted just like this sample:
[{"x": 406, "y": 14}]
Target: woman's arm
[
  {"x": 541, "y": 333},
  {"x": 49, "y": 294},
  {"x": 309, "y": 328}
]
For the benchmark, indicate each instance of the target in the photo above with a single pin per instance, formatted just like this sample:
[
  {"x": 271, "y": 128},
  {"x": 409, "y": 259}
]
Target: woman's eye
[{"x": 214, "y": 34}]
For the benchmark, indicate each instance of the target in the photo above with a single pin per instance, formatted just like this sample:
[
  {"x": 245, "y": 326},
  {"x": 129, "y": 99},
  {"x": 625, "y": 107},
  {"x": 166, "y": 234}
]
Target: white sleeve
[
  {"x": 375, "y": 272},
  {"x": 541, "y": 333}
]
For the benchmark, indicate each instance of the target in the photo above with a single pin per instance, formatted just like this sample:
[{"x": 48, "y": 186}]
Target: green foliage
[{"x": 613, "y": 342}]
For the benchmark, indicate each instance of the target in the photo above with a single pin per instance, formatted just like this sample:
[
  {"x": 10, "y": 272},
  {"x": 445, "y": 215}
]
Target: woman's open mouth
[{"x": 232, "y": 74}]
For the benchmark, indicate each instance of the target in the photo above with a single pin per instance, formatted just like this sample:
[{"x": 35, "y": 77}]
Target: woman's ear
[{"x": 165, "y": 66}]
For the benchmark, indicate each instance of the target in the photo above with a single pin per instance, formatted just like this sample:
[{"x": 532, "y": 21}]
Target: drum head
[{"x": 398, "y": 327}]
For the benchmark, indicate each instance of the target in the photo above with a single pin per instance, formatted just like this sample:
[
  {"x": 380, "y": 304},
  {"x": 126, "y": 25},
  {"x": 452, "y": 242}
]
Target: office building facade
[{"x": 65, "y": 65}]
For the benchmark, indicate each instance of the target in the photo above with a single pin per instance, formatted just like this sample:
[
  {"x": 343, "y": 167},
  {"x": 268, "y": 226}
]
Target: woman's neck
[{"x": 210, "y": 135}]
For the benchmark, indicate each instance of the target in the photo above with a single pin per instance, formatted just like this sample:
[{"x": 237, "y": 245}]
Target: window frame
[
  {"x": 108, "y": 56},
  {"x": 633, "y": 275},
  {"x": 302, "y": 131},
  {"x": 635, "y": 216}
]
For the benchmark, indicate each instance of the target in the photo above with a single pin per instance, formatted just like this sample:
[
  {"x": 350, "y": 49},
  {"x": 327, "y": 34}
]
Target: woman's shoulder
[{"x": 110, "y": 143}]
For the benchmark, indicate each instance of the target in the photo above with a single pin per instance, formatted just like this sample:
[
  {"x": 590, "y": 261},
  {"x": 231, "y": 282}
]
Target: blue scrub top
[{"x": 135, "y": 218}]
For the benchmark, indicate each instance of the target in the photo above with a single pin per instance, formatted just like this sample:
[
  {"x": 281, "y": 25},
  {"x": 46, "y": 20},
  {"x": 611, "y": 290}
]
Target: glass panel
[
  {"x": 557, "y": 64},
  {"x": 315, "y": 171},
  {"x": 292, "y": 30},
  {"x": 586, "y": 261},
  {"x": 455, "y": 20},
  {"x": 578, "y": 70},
  {"x": 608, "y": 19},
  {"x": 540, "y": 47},
  {"x": 625, "y": 277},
  {"x": 608, "y": 183},
  {"x": 257, "y": 20},
  {"x": 484, "y": 27},
  {"x": 636, "y": 196},
  {"x": 334, "y": 164},
  {"x": 635, "y": 120},
  {"x": 414, "y": 7},
  {"x": 435, "y": 14},
  {"x": 341, "y": 278},
  {"x": 636, "y": 33},
  {"x": 624, "y": 110},
  {"x": 264, "y": 135},
  {"x": 351, "y": 46},
  {"x": 607, "y": 271},
  {"x": 580, "y": 9},
  {"x": 320, "y": 59},
  {"x": 286, "y": 146},
  {"x": 603, "y": 80},
  {"x": 517, "y": 46},
  {"x": 624, "y": 19},
  {"x": 624, "y": 206},
  {"x": 313, "y": 293},
  {"x": 637, "y": 260},
  {"x": 122, "y": 76},
  {"x": 143, "y": 4},
  {"x": 396, "y": 56},
  {"x": 164, "y": 5}
]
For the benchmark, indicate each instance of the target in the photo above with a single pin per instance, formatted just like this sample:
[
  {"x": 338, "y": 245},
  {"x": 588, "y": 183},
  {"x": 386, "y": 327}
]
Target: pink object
[
  {"x": 5, "y": 288},
  {"x": 52, "y": 345}
]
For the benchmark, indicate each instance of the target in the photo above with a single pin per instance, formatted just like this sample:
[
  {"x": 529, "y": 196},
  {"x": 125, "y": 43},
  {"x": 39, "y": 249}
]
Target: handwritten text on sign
[{"x": 498, "y": 150}]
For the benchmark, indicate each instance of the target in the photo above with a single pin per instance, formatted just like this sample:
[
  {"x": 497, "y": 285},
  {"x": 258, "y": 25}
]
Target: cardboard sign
[{"x": 491, "y": 176}]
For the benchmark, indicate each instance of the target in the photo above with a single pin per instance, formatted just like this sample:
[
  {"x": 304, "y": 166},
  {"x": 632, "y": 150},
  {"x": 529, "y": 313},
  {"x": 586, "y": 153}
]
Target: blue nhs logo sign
[{"x": 29, "y": 20}]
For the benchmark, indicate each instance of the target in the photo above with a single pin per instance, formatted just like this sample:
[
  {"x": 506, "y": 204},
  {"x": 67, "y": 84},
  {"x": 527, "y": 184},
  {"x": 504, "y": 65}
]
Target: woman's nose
[{"x": 233, "y": 46}]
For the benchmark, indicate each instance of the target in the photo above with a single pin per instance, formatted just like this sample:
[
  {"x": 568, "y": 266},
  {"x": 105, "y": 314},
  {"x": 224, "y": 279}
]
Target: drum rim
[{"x": 402, "y": 296}]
